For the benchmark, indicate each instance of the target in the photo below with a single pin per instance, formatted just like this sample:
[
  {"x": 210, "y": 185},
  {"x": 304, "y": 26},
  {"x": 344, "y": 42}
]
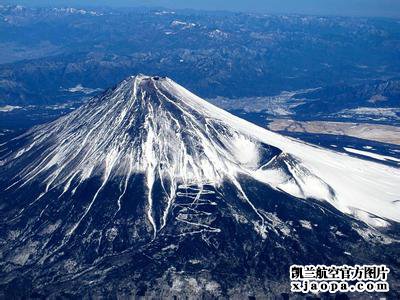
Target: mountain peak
[
  {"x": 146, "y": 125},
  {"x": 142, "y": 79},
  {"x": 143, "y": 88}
]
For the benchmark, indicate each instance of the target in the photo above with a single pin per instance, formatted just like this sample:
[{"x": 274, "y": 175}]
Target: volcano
[{"x": 148, "y": 190}]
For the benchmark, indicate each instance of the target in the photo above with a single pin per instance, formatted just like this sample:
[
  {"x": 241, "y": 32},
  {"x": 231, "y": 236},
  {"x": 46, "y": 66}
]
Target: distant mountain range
[
  {"x": 230, "y": 55},
  {"x": 341, "y": 98}
]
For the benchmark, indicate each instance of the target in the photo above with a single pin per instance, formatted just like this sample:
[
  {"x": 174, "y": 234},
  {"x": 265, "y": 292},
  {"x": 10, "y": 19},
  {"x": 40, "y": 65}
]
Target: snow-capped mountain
[{"x": 150, "y": 177}]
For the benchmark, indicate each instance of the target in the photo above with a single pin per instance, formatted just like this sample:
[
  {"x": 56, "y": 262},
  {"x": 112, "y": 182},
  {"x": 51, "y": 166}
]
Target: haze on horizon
[{"x": 373, "y": 8}]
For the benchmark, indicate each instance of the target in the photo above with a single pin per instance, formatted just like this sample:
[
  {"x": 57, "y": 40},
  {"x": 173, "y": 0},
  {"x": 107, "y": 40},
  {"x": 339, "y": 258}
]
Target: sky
[{"x": 385, "y": 8}]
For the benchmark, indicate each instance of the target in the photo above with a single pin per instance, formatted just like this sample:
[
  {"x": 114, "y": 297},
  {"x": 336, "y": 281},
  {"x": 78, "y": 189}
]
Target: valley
[{"x": 374, "y": 132}]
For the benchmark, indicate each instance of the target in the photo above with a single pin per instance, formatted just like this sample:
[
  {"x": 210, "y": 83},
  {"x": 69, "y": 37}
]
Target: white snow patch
[
  {"x": 170, "y": 247},
  {"x": 217, "y": 33},
  {"x": 370, "y": 219},
  {"x": 372, "y": 155},
  {"x": 182, "y": 24},
  {"x": 245, "y": 151},
  {"x": 8, "y": 108},
  {"x": 111, "y": 234},
  {"x": 164, "y": 12},
  {"x": 339, "y": 233},
  {"x": 81, "y": 89},
  {"x": 306, "y": 224}
]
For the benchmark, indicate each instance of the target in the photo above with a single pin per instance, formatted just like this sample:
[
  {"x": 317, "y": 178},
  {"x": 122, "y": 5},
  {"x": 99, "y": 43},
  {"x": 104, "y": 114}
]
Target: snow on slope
[
  {"x": 372, "y": 155},
  {"x": 155, "y": 127},
  {"x": 362, "y": 188}
]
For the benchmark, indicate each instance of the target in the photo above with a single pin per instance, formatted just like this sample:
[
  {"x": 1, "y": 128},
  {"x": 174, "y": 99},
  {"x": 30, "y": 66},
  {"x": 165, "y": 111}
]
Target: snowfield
[{"x": 367, "y": 190}]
